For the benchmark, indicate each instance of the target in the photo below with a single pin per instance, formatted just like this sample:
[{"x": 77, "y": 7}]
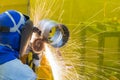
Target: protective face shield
[
  {"x": 15, "y": 30},
  {"x": 26, "y": 34}
]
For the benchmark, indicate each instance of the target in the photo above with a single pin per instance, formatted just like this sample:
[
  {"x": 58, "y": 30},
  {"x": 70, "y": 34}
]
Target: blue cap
[{"x": 15, "y": 21}]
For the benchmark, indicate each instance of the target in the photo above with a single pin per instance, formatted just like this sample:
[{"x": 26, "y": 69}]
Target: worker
[{"x": 13, "y": 28}]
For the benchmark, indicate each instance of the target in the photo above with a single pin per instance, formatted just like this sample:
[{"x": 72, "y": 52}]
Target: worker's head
[{"x": 12, "y": 27}]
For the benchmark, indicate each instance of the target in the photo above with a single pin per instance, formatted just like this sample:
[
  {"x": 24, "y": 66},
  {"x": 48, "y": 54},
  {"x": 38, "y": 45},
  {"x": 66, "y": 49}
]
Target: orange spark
[{"x": 53, "y": 63}]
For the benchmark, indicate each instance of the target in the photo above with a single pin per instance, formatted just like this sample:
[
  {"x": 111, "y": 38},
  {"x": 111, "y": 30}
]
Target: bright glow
[
  {"x": 53, "y": 63},
  {"x": 33, "y": 37}
]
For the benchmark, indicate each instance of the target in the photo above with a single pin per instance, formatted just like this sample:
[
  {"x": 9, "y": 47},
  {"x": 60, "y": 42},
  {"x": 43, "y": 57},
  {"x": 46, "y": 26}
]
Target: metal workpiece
[{"x": 60, "y": 36}]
